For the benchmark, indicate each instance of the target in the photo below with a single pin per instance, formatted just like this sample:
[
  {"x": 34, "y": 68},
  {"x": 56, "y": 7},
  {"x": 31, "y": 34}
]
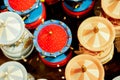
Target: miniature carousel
[
  {"x": 58, "y": 37},
  {"x": 16, "y": 41},
  {"x": 96, "y": 36},
  {"x": 59, "y": 40}
]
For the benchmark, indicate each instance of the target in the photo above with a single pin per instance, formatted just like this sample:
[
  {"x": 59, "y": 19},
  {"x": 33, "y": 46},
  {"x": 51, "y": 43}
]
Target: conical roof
[
  {"x": 84, "y": 67},
  {"x": 11, "y": 27},
  {"x": 111, "y": 8},
  {"x": 12, "y": 71},
  {"x": 95, "y": 33}
]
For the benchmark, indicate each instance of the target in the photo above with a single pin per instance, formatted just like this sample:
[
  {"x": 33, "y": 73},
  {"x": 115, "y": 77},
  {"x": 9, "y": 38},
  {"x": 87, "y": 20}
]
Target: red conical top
[{"x": 52, "y": 38}]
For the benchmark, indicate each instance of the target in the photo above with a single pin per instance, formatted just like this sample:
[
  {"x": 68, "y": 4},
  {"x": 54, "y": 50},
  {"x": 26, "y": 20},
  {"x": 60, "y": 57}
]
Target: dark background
[{"x": 39, "y": 70}]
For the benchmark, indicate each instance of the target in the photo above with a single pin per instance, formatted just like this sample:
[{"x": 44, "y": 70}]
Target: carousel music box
[
  {"x": 13, "y": 71},
  {"x": 21, "y": 7},
  {"x": 116, "y": 23},
  {"x": 35, "y": 17},
  {"x": 111, "y": 8},
  {"x": 16, "y": 40},
  {"x": 96, "y": 35},
  {"x": 52, "y": 40},
  {"x": 84, "y": 67},
  {"x": 77, "y": 8},
  {"x": 112, "y": 13},
  {"x": 108, "y": 9}
]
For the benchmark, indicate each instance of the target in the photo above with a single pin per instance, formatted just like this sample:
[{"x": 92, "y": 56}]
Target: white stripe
[
  {"x": 106, "y": 36},
  {"x": 101, "y": 25},
  {"x": 3, "y": 36},
  {"x": 1, "y": 32},
  {"x": 88, "y": 62},
  {"x": 14, "y": 23},
  {"x": 116, "y": 11},
  {"x": 10, "y": 36},
  {"x": 89, "y": 26},
  {"x": 94, "y": 72},
  {"x": 1, "y": 28},
  {"x": 86, "y": 77},
  {"x": 17, "y": 73},
  {"x": 15, "y": 26},
  {"x": 96, "y": 43},
  {"x": 10, "y": 68}
]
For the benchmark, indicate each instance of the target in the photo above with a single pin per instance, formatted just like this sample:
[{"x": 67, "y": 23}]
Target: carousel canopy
[
  {"x": 96, "y": 33},
  {"x": 20, "y": 50},
  {"x": 12, "y": 71},
  {"x": 111, "y": 8},
  {"x": 11, "y": 27},
  {"x": 84, "y": 67},
  {"x": 52, "y": 38}
]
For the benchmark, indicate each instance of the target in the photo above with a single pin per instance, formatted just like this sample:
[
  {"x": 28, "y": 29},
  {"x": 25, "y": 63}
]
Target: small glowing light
[
  {"x": 58, "y": 65},
  {"x": 60, "y": 70},
  {"x": 63, "y": 77},
  {"x": 64, "y": 18},
  {"x": 50, "y": 32}
]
